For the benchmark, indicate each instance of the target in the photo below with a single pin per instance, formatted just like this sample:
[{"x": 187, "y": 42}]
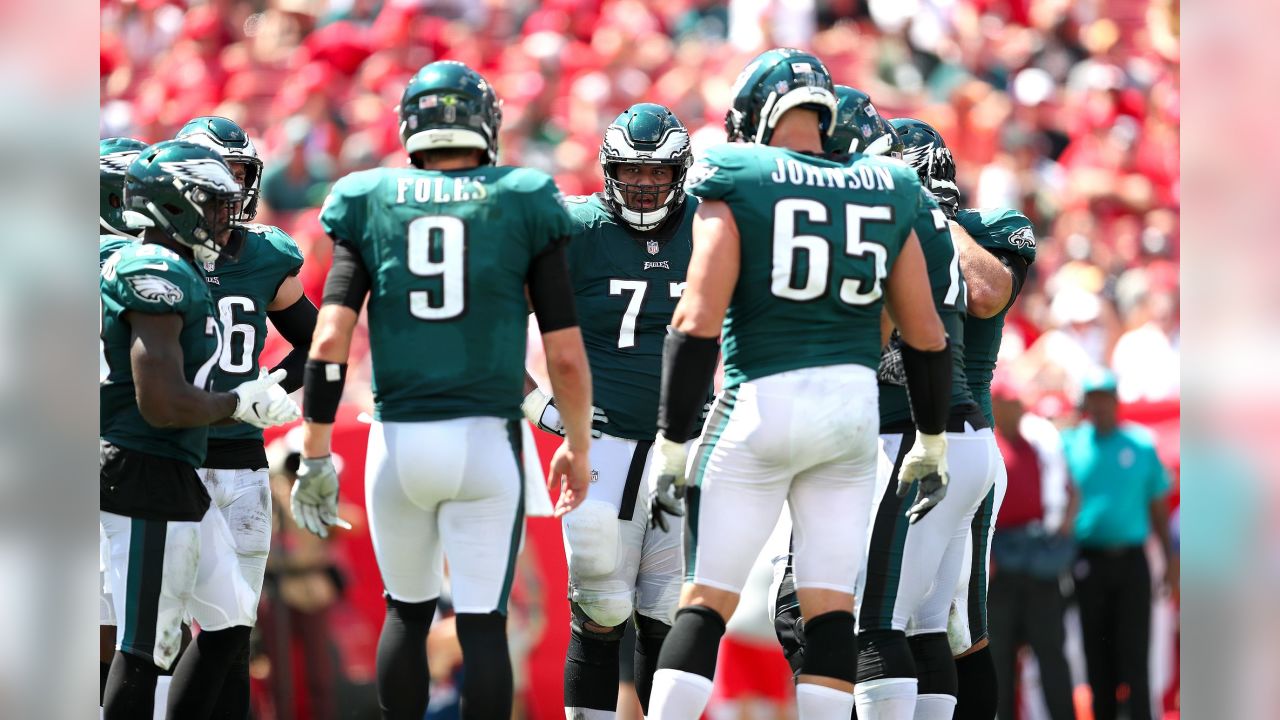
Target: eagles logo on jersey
[
  {"x": 153, "y": 288},
  {"x": 1023, "y": 238}
]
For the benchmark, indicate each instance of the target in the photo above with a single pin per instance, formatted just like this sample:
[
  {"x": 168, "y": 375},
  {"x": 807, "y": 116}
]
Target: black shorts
[{"x": 150, "y": 487}]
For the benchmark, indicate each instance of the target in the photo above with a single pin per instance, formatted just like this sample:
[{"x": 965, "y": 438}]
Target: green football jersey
[
  {"x": 818, "y": 238},
  {"x": 447, "y": 253},
  {"x": 109, "y": 244},
  {"x": 943, "y": 262},
  {"x": 148, "y": 278},
  {"x": 626, "y": 285},
  {"x": 242, "y": 289},
  {"x": 1001, "y": 230}
]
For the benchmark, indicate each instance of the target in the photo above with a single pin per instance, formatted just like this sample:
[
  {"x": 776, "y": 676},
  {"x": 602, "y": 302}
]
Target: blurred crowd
[{"x": 1067, "y": 110}]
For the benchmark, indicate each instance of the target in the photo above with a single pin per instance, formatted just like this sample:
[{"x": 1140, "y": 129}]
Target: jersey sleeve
[
  {"x": 156, "y": 284},
  {"x": 287, "y": 254},
  {"x": 108, "y": 245},
  {"x": 345, "y": 208},
  {"x": 547, "y": 213},
  {"x": 712, "y": 176},
  {"x": 1005, "y": 230}
]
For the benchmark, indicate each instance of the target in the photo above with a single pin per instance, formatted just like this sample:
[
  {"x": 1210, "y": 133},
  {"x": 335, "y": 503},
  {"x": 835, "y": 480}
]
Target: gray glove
[{"x": 314, "y": 500}]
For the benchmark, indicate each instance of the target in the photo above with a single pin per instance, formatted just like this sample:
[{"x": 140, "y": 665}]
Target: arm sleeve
[
  {"x": 551, "y": 290},
  {"x": 1017, "y": 268},
  {"x": 295, "y": 323},
  {"x": 348, "y": 281}
]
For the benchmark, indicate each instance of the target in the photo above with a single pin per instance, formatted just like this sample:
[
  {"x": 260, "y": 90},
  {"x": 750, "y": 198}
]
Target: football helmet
[
  {"x": 233, "y": 143},
  {"x": 449, "y": 105},
  {"x": 645, "y": 134},
  {"x": 860, "y": 128},
  {"x": 187, "y": 192},
  {"x": 926, "y": 151},
  {"x": 114, "y": 157},
  {"x": 774, "y": 82}
]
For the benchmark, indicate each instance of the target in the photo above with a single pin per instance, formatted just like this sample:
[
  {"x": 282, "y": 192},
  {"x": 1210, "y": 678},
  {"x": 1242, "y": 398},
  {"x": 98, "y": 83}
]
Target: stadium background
[{"x": 1068, "y": 111}]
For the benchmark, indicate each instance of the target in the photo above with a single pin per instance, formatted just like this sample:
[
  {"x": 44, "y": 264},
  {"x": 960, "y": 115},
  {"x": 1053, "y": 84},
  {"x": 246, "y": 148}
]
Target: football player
[
  {"x": 445, "y": 249},
  {"x": 897, "y": 589},
  {"x": 171, "y": 552},
  {"x": 797, "y": 255},
  {"x": 261, "y": 284},
  {"x": 627, "y": 258},
  {"x": 114, "y": 156},
  {"x": 996, "y": 249}
]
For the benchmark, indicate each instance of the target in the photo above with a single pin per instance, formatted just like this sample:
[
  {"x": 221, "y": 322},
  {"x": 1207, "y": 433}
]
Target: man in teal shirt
[{"x": 1123, "y": 491}]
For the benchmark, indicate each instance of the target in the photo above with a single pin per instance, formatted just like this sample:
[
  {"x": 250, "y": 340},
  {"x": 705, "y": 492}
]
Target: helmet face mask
[
  {"x": 644, "y": 156},
  {"x": 187, "y": 192},
  {"x": 860, "y": 128},
  {"x": 114, "y": 157},
  {"x": 447, "y": 105},
  {"x": 235, "y": 147},
  {"x": 776, "y": 81}
]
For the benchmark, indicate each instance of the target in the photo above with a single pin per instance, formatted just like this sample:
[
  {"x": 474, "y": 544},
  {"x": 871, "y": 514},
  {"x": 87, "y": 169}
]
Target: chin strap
[{"x": 640, "y": 220}]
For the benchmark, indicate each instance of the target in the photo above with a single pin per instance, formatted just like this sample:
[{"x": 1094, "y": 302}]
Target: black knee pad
[
  {"x": 591, "y": 665},
  {"x": 578, "y": 624},
  {"x": 697, "y": 642},
  {"x": 935, "y": 668},
  {"x": 977, "y": 696},
  {"x": 884, "y": 654},
  {"x": 650, "y": 634},
  {"x": 423, "y": 612},
  {"x": 830, "y": 648}
]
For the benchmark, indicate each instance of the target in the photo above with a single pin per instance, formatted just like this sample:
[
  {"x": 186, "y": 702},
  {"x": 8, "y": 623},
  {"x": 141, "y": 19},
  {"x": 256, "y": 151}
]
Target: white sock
[
  {"x": 678, "y": 695},
  {"x": 935, "y": 706},
  {"x": 575, "y": 713},
  {"x": 162, "y": 696},
  {"x": 821, "y": 702},
  {"x": 886, "y": 699}
]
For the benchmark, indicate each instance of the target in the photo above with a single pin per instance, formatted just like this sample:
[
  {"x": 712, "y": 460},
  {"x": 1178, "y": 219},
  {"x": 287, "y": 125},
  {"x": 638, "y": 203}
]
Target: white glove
[
  {"x": 263, "y": 403},
  {"x": 667, "y": 481},
  {"x": 540, "y": 409},
  {"x": 926, "y": 461},
  {"x": 314, "y": 500}
]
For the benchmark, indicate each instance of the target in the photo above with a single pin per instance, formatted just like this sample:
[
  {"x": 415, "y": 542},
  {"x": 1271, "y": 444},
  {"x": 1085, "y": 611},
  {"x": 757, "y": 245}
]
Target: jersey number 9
[{"x": 438, "y": 249}]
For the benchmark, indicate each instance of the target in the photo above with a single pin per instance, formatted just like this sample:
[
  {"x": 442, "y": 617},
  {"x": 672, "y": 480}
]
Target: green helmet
[
  {"x": 775, "y": 82},
  {"x": 114, "y": 157},
  {"x": 929, "y": 155},
  {"x": 233, "y": 143},
  {"x": 181, "y": 189},
  {"x": 645, "y": 134},
  {"x": 449, "y": 105},
  {"x": 860, "y": 128}
]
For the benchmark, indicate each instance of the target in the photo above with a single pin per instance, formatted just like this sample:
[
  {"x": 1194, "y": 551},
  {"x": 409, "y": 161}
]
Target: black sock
[
  {"x": 694, "y": 641},
  {"x": 486, "y": 666},
  {"x": 650, "y": 635},
  {"x": 404, "y": 682},
  {"x": 233, "y": 702},
  {"x": 204, "y": 667},
  {"x": 591, "y": 670},
  {"x": 131, "y": 688},
  {"x": 976, "y": 678}
]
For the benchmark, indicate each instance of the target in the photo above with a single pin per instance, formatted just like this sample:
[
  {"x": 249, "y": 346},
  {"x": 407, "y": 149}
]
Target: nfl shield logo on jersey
[{"x": 652, "y": 247}]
